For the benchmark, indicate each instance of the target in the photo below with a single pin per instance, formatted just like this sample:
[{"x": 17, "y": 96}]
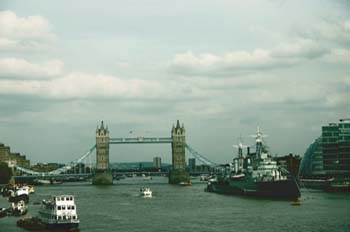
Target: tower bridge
[
  {"x": 177, "y": 140},
  {"x": 103, "y": 175}
]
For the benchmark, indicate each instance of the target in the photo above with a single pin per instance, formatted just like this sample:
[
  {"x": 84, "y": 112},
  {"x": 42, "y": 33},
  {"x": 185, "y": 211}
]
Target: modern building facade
[
  {"x": 329, "y": 155},
  {"x": 157, "y": 162},
  {"x": 336, "y": 147},
  {"x": 192, "y": 164}
]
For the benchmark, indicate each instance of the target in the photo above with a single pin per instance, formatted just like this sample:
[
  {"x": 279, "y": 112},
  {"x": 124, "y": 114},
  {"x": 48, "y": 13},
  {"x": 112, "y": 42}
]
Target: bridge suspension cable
[
  {"x": 59, "y": 170},
  {"x": 200, "y": 157},
  {"x": 28, "y": 171},
  {"x": 73, "y": 163}
]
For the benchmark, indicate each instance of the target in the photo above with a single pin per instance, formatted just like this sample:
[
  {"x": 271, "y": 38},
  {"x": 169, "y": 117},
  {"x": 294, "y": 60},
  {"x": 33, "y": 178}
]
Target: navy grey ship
[{"x": 255, "y": 174}]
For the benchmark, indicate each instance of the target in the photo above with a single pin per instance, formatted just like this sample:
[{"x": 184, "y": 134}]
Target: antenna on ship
[
  {"x": 240, "y": 147},
  {"x": 259, "y": 142}
]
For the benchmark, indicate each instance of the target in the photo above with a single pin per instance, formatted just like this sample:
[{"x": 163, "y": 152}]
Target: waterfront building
[
  {"x": 328, "y": 155},
  {"x": 12, "y": 158},
  {"x": 192, "y": 164},
  {"x": 312, "y": 162},
  {"x": 290, "y": 162},
  {"x": 203, "y": 168},
  {"x": 336, "y": 147},
  {"x": 46, "y": 167},
  {"x": 157, "y": 162}
]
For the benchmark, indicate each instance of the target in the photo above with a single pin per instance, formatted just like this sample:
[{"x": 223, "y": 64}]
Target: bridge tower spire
[
  {"x": 178, "y": 173},
  {"x": 102, "y": 175}
]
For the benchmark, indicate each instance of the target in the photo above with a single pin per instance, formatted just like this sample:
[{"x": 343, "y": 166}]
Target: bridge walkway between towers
[{"x": 140, "y": 140}]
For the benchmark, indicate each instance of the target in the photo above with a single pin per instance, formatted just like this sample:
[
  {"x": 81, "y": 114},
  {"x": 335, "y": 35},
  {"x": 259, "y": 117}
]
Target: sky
[{"x": 220, "y": 67}]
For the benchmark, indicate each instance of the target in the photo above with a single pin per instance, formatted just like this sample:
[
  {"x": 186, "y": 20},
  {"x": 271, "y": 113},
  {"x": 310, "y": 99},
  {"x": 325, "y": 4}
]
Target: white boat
[
  {"x": 204, "y": 177},
  {"x": 19, "y": 193},
  {"x": 146, "y": 192},
  {"x": 144, "y": 177},
  {"x": 31, "y": 189},
  {"x": 19, "y": 208},
  {"x": 27, "y": 188},
  {"x": 59, "y": 212}
]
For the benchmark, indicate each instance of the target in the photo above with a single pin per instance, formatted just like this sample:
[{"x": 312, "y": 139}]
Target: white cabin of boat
[{"x": 59, "y": 210}]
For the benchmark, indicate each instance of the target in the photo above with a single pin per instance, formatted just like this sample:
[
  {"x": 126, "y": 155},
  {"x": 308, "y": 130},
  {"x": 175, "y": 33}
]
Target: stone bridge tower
[
  {"x": 178, "y": 172},
  {"x": 102, "y": 175}
]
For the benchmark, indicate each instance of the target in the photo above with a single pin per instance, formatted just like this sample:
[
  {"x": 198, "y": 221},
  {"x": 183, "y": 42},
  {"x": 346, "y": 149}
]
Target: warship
[{"x": 255, "y": 174}]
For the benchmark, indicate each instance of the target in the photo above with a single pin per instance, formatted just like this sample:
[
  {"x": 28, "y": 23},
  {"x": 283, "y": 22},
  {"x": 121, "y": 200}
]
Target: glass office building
[{"x": 329, "y": 155}]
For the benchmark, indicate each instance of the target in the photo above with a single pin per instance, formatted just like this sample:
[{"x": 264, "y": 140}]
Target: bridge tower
[
  {"x": 103, "y": 175},
  {"x": 178, "y": 172}
]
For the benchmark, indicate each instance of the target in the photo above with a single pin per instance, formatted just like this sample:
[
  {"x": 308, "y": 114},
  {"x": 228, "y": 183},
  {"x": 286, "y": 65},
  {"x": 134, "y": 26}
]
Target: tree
[{"x": 5, "y": 173}]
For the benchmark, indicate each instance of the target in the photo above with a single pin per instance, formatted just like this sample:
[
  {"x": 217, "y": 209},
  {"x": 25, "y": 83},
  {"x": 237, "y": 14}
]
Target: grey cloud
[
  {"x": 243, "y": 62},
  {"x": 23, "y": 33},
  {"x": 331, "y": 30},
  {"x": 21, "y": 69}
]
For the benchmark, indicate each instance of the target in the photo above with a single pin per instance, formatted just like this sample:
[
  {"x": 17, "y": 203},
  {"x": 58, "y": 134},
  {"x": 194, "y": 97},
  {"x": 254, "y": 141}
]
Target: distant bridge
[{"x": 66, "y": 170}]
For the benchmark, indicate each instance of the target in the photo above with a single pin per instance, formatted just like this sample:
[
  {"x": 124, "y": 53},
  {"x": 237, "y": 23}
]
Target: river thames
[{"x": 175, "y": 208}]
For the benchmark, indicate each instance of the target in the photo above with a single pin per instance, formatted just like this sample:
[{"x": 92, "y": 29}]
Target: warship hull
[{"x": 282, "y": 189}]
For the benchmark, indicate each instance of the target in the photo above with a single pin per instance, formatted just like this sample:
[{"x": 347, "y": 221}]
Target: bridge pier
[
  {"x": 102, "y": 176},
  {"x": 178, "y": 172}
]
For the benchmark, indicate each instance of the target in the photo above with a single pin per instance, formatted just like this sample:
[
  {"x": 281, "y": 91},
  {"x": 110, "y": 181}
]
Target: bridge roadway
[
  {"x": 140, "y": 140},
  {"x": 87, "y": 175},
  {"x": 55, "y": 176}
]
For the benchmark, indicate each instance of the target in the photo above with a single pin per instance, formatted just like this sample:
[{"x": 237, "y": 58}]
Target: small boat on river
[
  {"x": 189, "y": 183},
  {"x": 146, "y": 192},
  {"x": 19, "y": 194},
  {"x": 19, "y": 208}
]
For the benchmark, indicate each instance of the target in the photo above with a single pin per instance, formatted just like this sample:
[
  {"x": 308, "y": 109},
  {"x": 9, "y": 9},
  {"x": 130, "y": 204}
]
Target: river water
[{"x": 175, "y": 208}]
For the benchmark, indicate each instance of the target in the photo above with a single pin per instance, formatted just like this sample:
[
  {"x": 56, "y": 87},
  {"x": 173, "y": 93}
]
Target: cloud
[
  {"x": 328, "y": 41},
  {"x": 7, "y": 43},
  {"x": 337, "y": 56},
  {"x": 79, "y": 85},
  {"x": 321, "y": 93},
  {"x": 238, "y": 62},
  {"x": 299, "y": 49},
  {"x": 23, "y": 32},
  {"x": 13, "y": 68},
  {"x": 226, "y": 64},
  {"x": 330, "y": 30}
]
